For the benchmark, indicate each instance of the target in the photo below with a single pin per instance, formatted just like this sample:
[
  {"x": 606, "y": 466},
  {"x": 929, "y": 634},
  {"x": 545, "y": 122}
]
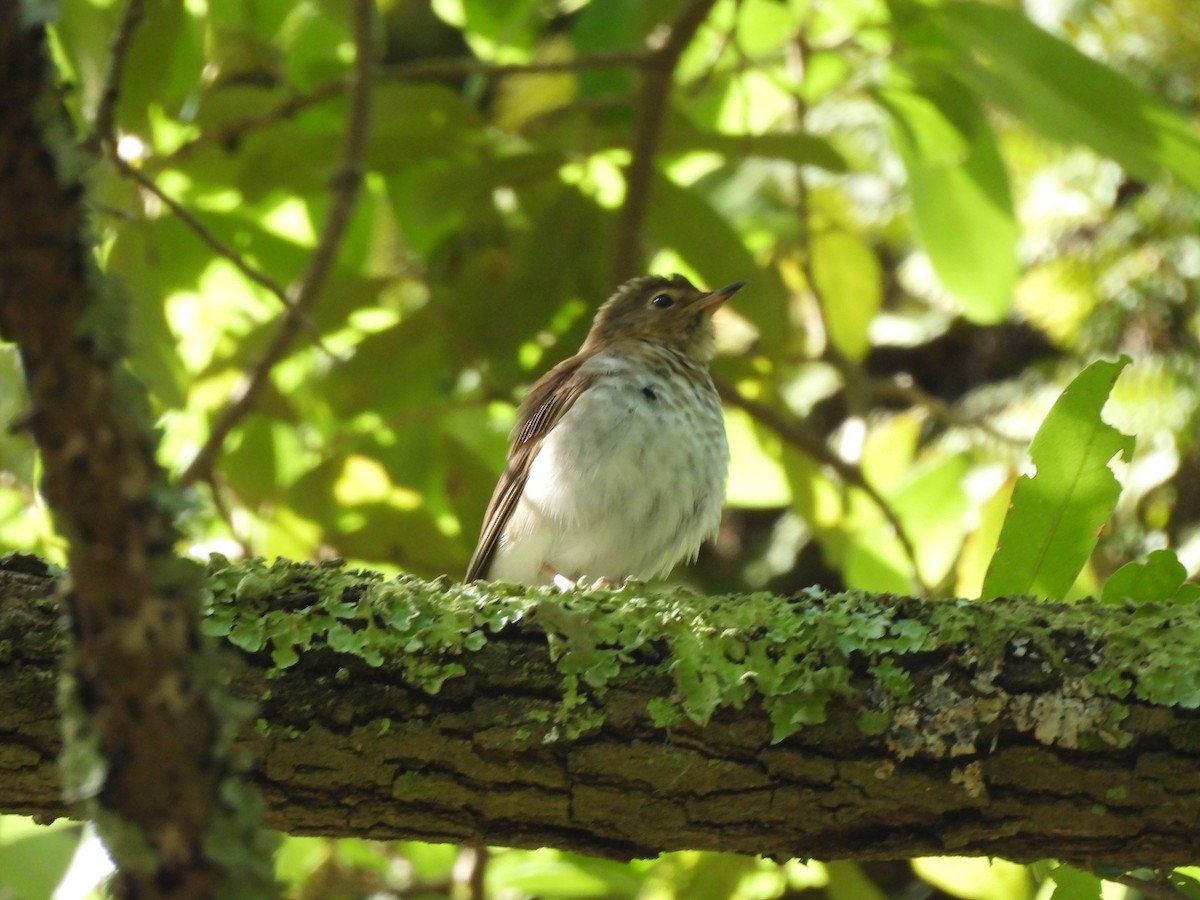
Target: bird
[{"x": 617, "y": 462}]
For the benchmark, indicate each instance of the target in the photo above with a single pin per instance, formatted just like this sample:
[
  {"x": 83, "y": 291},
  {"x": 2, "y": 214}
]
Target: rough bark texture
[
  {"x": 999, "y": 750},
  {"x": 146, "y": 731}
]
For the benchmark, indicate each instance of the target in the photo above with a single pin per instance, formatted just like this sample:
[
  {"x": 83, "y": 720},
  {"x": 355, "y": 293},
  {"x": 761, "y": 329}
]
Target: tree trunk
[
  {"x": 144, "y": 713},
  {"x": 1014, "y": 728}
]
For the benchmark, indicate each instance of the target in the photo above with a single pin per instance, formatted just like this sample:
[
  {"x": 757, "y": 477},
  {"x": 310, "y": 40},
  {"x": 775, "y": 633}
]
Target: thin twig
[
  {"x": 226, "y": 515},
  {"x": 417, "y": 70},
  {"x": 344, "y": 188},
  {"x": 796, "y": 436},
  {"x": 181, "y": 212},
  {"x": 104, "y": 119},
  {"x": 470, "y": 872},
  {"x": 657, "y": 78},
  {"x": 452, "y": 67},
  {"x": 910, "y": 393},
  {"x": 253, "y": 273},
  {"x": 103, "y": 137},
  {"x": 852, "y": 374},
  {"x": 727, "y": 40},
  {"x": 1157, "y": 889}
]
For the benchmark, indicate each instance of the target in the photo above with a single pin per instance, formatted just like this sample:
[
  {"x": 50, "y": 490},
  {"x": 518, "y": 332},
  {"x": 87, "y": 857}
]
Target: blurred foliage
[{"x": 946, "y": 210}]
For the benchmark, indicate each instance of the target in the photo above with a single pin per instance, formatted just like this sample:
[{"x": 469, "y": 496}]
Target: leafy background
[{"x": 946, "y": 211}]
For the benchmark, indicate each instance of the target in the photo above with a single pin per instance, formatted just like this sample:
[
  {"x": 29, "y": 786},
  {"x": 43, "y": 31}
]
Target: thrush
[{"x": 618, "y": 459}]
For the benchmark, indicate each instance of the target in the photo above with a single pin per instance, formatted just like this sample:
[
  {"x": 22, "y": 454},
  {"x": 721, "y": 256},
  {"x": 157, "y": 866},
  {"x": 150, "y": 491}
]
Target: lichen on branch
[{"x": 626, "y": 723}]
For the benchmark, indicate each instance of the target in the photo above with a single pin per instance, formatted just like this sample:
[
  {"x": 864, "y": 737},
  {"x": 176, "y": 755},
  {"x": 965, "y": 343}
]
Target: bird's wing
[{"x": 543, "y": 407}]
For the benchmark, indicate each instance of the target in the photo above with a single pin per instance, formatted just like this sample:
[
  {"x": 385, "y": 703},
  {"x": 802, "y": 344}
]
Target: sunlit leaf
[
  {"x": 555, "y": 873},
  {"x": 1071, "y": 883},
  {"x": 1056, "y": 515},
  {"x": 33, "y": 858},
  {"x": 933, "y": 505},
  {"x": 756, "y": 477},
  {"x": 980, "y": 544},
  {"x": 802, "y": 149},
  {"x": 976, "y": 879},
  {"x": 298, "y": 857},
  {"x": 849, "y": 282},
  {"x": 1067, "y": 95},
  {"x": 1158, "y": 578},
  {"x": 962, "y": 207}
]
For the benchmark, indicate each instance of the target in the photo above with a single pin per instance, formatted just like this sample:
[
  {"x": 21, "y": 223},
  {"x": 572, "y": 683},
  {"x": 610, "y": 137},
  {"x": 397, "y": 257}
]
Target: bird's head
[{"x": 671, "y": 311}]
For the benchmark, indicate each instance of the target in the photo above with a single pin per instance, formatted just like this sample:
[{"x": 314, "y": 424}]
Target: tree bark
[
  {"x": 144, "y": 709},
  {"x": 1007, "y": 743}
]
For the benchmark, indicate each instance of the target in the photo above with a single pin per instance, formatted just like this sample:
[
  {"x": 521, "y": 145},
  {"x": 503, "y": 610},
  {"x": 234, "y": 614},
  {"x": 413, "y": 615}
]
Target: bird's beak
[{"x": 711, "y": 301}]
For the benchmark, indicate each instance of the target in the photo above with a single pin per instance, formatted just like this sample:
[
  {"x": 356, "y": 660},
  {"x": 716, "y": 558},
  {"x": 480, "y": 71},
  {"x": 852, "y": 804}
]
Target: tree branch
[
  {"x": 1016, "y": 728},
  {"x": 222, "y": 249},
  {"x": 909, "y": 392},
  {"x": 416, "y": 70},
  {"x": 344, "y": 188},
  {"x": 103, "y": 119},
  {"x": 657, "y": 76}
]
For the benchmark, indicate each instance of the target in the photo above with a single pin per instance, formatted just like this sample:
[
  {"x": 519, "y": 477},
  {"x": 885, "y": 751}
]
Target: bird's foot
[
  {"x": 558, "y": 579},
  {"x": 563, "y": 583}
]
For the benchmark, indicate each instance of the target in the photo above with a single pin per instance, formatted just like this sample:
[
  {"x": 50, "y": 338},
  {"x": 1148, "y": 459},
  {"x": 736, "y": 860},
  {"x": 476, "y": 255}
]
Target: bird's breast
[{"x": 634, "y": 472}]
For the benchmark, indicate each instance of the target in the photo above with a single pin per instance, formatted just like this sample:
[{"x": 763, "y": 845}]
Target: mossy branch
[{"x": 622, "y": 724}]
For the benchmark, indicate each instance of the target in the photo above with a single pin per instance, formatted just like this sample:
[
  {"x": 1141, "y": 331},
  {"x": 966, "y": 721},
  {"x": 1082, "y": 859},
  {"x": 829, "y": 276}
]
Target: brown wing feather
[{"x": 543, "y": 407}]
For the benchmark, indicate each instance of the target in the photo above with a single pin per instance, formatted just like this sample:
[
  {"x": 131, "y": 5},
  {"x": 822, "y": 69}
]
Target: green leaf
[
  {"x": 1188, "y": 592},
  {"x": 803, "y": 149},
  {"x": 683, "y": 220},
  {"x": 162, "y": 66},
  {"x": 503, "y": 21},
  {"x": 1066, "y": 95},
  {"x": 554, "y": 873},
  {"x": 1158, "y": 578},
  {"x": 1056, "y": 515},
  {"x": 1073, "y": 884},
  {"x": 1185, "y": 884},
  {"x": 394, "y": 370},
  {"x": 961, "y": 203},
  {"x": 933, "y": 506},
  {"x": 33, "y": 858},
  {"x": 849, "y": 281}
]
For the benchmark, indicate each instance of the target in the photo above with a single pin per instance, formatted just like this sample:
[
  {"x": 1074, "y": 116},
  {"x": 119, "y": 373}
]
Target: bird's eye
[{"x": 663, "y": 301}]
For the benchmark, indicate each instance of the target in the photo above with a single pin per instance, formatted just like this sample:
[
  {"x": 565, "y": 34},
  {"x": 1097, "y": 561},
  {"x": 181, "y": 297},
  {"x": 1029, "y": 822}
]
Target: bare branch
[
  {"x": 657, "y": 78},
  {"x": 418, "y": 70},
  {"x": 218, "y": 246},
  {"x": 103, "y": 120},
  {"x": 344, "y": 188},
  {"x": 1156, "y": 887},
  {"x": 910, "y": 393},
  {"x": 429, "y": 69}
]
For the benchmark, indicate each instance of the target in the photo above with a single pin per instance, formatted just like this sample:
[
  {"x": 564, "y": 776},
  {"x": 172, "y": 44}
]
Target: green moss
[{"x": 794, "y": 655}]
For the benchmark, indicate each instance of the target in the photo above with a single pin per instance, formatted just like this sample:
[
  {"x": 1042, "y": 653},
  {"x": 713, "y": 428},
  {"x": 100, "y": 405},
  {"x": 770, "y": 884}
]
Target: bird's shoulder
[{"x": 551, "y": 397}]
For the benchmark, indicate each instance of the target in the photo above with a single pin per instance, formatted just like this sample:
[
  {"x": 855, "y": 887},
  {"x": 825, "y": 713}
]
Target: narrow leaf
[
  {"x": 803, "y": 149},
  {"x": 961, "y": 203},
  {"x": 1066, "y": 95},
  {"x": 1055, "y": 516},
  {"x": 849, "y": 281}
]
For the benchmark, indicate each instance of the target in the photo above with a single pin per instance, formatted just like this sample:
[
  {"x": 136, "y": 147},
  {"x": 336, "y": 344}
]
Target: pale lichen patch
[{"x": 972, "y": 780}]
